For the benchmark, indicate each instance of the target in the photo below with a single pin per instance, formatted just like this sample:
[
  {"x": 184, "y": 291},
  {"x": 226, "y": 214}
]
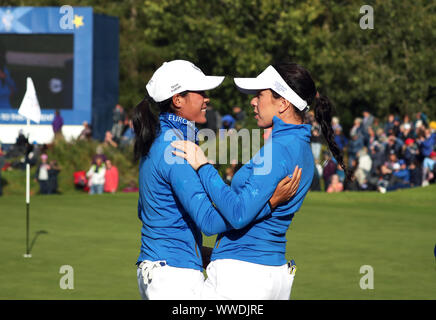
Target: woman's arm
[
  {"x": 239, "y": 209},
  {"x": 191, "y": 194}
]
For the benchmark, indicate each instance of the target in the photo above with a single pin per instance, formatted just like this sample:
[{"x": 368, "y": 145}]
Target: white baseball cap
[
  {"x": 177, "y": 76},
  {"x": 270, "y": 79}
]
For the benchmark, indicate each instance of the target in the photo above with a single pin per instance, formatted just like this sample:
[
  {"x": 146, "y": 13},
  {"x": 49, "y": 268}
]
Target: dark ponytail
[
  {"x": 146, "y": 127},
  {"x": 146, "y": 123},
  {"x": 323, "y": 115},
  {"x": 300, "y": 80}
]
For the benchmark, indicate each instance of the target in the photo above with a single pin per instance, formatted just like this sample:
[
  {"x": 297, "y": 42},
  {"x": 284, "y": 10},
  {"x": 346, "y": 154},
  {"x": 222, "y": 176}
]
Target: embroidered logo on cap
[{"x": 175, "y": 87}]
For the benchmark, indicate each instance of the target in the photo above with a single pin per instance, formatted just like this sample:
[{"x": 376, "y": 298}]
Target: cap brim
[
  {"x": 250, "y": 85},
  {"x": 208, "y": 83}
]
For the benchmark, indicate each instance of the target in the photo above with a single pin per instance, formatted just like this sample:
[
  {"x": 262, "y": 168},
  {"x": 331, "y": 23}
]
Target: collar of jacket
[
  {"x": 280, "y": 128},
  {"x": 183, "y": 128}
]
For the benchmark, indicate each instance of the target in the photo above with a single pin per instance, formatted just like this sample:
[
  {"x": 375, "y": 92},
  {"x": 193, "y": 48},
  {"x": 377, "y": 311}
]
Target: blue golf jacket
[
  {"x": 260, "y": 236},
  {"x": 173, "y": 206}
]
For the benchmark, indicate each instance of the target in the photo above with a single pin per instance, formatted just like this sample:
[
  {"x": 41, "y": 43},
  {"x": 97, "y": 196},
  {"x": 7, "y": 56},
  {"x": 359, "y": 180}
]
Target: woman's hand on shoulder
[
  {"x": 286, "y": 188},
  {"x": 190, "y": 152}
]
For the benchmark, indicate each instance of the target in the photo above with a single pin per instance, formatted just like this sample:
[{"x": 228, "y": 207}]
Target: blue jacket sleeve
[
  {"x": 191, "y": 194},
  {"x": 251, "y": 202}
]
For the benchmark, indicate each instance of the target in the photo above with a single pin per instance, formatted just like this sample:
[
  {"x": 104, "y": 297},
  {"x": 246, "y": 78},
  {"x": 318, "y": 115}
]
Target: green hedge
[{"x": 73, "y": 156}]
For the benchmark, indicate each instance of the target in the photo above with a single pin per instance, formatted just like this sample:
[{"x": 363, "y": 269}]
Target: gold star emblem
[{"x": 78, "y": 21}]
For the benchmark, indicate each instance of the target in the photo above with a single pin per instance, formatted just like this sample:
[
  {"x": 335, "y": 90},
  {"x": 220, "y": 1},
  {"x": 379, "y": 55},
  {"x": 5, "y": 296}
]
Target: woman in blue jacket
[
  {"x": 173, "y": 206},
  {"x": 249, "y": 262}
]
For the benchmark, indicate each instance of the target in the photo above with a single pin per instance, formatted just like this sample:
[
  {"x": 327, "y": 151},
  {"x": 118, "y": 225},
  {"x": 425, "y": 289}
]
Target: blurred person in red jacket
[{"x": 111, "y": 178}]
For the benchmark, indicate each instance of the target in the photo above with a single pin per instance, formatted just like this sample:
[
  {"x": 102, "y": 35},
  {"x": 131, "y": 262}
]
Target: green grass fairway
[{"x": 330, "y": 239}]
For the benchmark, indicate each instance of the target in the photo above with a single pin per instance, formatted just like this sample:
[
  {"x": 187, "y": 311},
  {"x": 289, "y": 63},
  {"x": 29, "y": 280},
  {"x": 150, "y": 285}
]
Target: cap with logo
[
  {"x": 271, "y": 79},
  {"x": 177, "y": 76}
]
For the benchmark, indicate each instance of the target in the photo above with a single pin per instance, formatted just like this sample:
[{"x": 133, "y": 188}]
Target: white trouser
[
  {"x": 240, "y": 280},
  {"x": 157, "y": 282}
]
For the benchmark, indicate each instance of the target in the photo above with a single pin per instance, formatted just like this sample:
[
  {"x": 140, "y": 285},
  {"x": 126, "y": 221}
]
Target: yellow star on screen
[{"x": 78, "y": 21}]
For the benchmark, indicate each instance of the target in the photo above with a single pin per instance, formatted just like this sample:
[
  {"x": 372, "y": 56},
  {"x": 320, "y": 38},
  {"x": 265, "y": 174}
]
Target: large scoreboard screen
[{"x": 47, "y": 58}]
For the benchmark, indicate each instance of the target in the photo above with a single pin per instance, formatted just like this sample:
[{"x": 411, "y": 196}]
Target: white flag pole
[
  {"x": 31, "y": 110},
  {"x": 27, "y": 254},
  {"x": 28, "y": 169}
]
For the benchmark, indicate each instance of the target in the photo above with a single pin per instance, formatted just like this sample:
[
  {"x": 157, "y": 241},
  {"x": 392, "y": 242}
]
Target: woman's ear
[
  {"x": 178, "y": 101},
  {"x": 284, "y": 105}
]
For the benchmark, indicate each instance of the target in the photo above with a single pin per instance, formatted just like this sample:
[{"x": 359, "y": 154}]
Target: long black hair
[
  {"x": 299, "y": 79},
  {"x": 146, "y": 123}
]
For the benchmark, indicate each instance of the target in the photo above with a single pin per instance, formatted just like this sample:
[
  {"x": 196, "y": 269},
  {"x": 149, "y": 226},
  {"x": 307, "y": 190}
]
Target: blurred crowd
[
  {"x": 101, "y": 176},
  {"x": 383, "y": 155}
]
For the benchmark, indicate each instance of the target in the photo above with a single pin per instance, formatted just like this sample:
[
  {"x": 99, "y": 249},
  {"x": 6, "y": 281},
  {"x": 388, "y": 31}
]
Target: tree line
[{"x": 390, "y": 68}]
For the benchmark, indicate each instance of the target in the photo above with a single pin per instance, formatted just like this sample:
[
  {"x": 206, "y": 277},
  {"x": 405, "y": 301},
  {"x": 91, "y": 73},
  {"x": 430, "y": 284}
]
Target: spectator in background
[
  {"x": 410, "y": 151},
  {"x": 53, "y": 173},
  {"x": 20, "y": 146},
  {"x": 128, "y": 136},
  {"x": 238, "y": 114},
  {"x": 329, "y": 169},
  {"x": 415, "y": 172},
  {"x": 340, "y": 173},
  {"x": 117, "y": 131},
  {"x": 426, "y": 142},
  {"x": 381, "y": 135},
  {"x": 394, "y": 174},
  {"x": 357, "y": 128},
  {"x": 363, "y": 168},
  {"x": 428, "y": 168},
  {"x": 422, "y": 117},
  {"x": 41, "y": 175},
  {"x": 392, "y": 160},
  {"x": 229, "y": 173},
  {"x": 118, "y": 121},
  {"x": 372, "y": 138},
  {"x": 400, "y": 178},
  {"x": 393, "y": 144},
  {"x": 340, "y": 139},
  {"x": 86, "y": 133},
  {"x": 95, "y": 177},
  {"x": 406, "y": 132},
  {"x": 406, "y": 120},
  {"x": 111, "y": 178},
  {"x": 21, "y": 140},
  {"x": 109, "y": 141},
  {"x": 309, "y": 117},
  {"x": 335, "y": 123},
  {"x": 354, "y": 146},
  {"x": 316, "y": 141},
  {"x": 397, "y": 125},
  {"x": 99, "y": 154},
  {"x": 389, "y": 126},
  {"x": 376, "y": 124},
  {"x": 2, "y": 163},
  {"x": 335, "y": 185},
  {"x": 57, "y": 124},
  {"x": 34, "y": 153},
  {"x": 213, "y": 119},
  {"x": 367, "y": 121},
  {"x": 378, "y": 157},
  {"x": 80, "y": 181},
  {"x": 352, "y": 185},
  {"x": 228, "y": 122}
]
